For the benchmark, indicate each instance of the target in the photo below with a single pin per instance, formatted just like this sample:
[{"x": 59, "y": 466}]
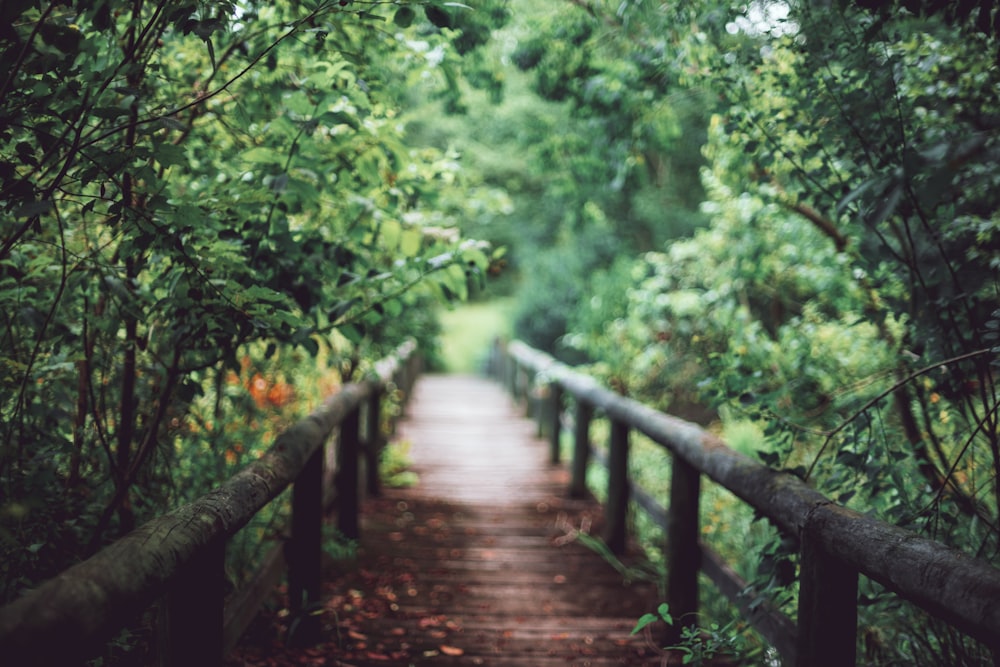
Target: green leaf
[
  {"x": 644, "y": 620},
  {"x": 664, "y": 611},
  {"x": 211, "y": 53},
  {"x": 438, "y": 16},
  {"x": 168, "y": 154},
  {"x": 334, "y": 118},
  {"x": 393, "y": 308},
  {"x": 391, "y": 232},
  {"x": 404, "y": 17},
  {"x": 342, "y": 308},
  {"x": 410, "y": 242}
]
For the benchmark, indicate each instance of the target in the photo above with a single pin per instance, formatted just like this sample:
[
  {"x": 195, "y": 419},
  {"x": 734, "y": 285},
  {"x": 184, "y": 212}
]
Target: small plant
[
  {"x": 337, "y": 546},
  {"x": 662, "y": 614},
  {"x": 646, "y": 570},
  {"x": 394, "y": 467},
  {"x": 697, "y": 646}
]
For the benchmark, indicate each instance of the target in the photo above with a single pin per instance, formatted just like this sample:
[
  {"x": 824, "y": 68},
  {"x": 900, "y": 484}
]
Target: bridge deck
[{"x": 478, "y": 564}]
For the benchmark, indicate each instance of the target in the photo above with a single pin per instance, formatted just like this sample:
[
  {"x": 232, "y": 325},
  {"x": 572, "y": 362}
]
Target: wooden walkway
[{"x": 479, "y": 563}]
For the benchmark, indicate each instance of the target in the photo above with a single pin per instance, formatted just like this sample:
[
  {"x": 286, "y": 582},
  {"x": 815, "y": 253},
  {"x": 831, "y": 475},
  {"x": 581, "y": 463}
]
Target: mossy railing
[
  {"x": 179, "y": 557},
  {"x": 835, "y": 544}
]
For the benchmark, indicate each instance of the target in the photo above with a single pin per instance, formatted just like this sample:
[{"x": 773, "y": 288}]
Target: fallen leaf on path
[{"x": 451, "y": 650}]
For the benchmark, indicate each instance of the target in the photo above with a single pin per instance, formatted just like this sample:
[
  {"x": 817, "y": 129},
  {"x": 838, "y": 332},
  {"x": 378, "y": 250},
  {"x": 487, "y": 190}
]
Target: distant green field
[{"x": 468, "y": 330}]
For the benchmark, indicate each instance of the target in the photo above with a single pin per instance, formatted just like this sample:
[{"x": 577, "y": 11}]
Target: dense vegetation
[
  {"x": 778, "y": 218},
  {"x": 781, "y": 219},
  {"x": 202, "y": 204}
]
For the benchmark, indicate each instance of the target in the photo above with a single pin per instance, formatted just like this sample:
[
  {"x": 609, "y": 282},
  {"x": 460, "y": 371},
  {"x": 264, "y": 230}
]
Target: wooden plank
[{"x": 483, "y": 556}]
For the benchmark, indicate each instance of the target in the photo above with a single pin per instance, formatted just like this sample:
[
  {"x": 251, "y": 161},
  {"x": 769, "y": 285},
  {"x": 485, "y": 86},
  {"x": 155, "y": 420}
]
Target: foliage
[
  {"x": 843, "y": 300},
  {"x": 190, "y": 193},
  {"x": 602, "y": 164},
  {"x": 696, "y": 647},
  {"x": 337, "y": 546},
  {"x": 907, "y": 179},
  {"x": 468, "y": 333},
  {"x": 394, "y": 467}
]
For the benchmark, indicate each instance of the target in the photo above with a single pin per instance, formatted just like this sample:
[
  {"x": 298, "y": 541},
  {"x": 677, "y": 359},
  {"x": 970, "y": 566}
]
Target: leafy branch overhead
[{"x": 185, "y": 186}]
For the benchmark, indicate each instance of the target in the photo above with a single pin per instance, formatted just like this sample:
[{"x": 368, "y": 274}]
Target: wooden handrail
[
  {"x": 836, "y": 543},
  {"x": 181, "y": 553}
]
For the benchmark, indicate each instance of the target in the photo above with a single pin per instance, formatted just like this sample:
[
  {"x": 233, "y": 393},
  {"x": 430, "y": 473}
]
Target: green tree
[
  {"x": 185, "y": 186},
  {"x": 844, "y": 297},
  {"x": 605, "y": 160}
]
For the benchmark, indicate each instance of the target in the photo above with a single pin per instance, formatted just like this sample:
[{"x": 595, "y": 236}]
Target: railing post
[
  {"x": 616, "y": 513},
  {"x": 304, "y": 549},
  {"x": 512, "y": 373},
  {"x": 411, "y": 371},
  {"x": 581, "y": 449},
  {"x": 683, "y": 553},
  {"x": 495, "y": 363},
  {"x": 347, "y": 476},
  {"x": 828, "y": 607},
  {"x": 373, "y": 443},
  {"x": 555, "y": 423},
  {"x": 194, "y": 611},
  {"x": 532, "y": 406}
]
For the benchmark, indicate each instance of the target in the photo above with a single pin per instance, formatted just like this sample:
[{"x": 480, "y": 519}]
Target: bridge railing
[
  {"x": 178, "y": 558},
  {"x": 835, "y": 543}
]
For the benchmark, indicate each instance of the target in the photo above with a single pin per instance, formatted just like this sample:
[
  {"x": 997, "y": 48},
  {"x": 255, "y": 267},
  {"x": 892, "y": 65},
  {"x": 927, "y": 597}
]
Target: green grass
[{"x": 468, "y": 330}]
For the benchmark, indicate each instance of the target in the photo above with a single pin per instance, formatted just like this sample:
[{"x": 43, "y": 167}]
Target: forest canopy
[{"x": 203, "y": 203}]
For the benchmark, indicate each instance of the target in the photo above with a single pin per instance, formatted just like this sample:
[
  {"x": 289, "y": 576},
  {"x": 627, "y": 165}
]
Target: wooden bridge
[
  {"x": 485, "y": 561},
  {"x": 480, "y": 562}
]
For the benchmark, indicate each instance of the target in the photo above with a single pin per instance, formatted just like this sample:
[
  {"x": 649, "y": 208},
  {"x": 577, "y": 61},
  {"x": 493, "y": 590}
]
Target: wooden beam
[
  {"x": 948, "y": 583},
  {"x": 828, "y": 607},
  {"x": 682, "y": 548},
  {"x": 86, "y": 604},
  {"x": 616, "y": 508},
  {"x": 581, "y": 449}
]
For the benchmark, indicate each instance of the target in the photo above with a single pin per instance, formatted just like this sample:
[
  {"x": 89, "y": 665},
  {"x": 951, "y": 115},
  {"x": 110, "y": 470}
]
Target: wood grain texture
[{"x": 480, "y": 563}]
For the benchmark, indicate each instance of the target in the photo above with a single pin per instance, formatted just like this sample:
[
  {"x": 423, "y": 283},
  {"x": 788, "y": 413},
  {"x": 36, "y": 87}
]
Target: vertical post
[
  {"x": 542, "y": 404},
  {"x": 195, "y": 611},
  {"x": 373, "y": 443},
  {"x": 347, "y": 476},
  {"x": 503, "y": 368},
  {"x": 512, "y": 376},
  {"x": 304, "y": 549},
  {"x": 581, "y": 449},
  {"x": 828, "y": 607},
  {"x": 683, "y": 551},
  {"x": 411, "y": 371},
  {"x": 555, "y": 423},
  {"x": 616, "y": 514},
  {"x": 532, "y": 406},
  {"x": 494, "y": 368}
]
